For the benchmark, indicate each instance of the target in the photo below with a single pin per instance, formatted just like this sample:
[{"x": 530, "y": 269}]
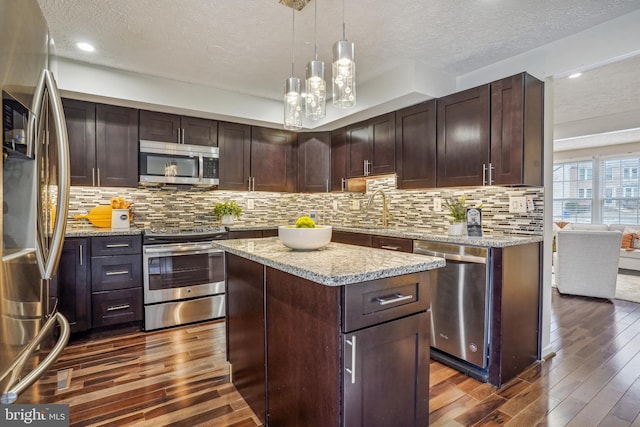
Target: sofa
[{"x": 629, "y": 254}]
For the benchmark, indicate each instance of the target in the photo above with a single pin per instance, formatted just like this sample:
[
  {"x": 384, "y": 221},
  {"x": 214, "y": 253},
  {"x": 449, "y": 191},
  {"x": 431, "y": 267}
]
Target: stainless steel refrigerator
[{"x": 35, "y": 193}]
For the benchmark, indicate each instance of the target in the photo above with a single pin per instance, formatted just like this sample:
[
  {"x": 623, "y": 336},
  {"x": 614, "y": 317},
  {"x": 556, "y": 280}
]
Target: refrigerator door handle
[
  {"x": 48, "y": 262},
  {"x": 11, "y": 395}
]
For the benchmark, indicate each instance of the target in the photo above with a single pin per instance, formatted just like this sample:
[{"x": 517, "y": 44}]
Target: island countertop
[{"x": 336, "y": 264}]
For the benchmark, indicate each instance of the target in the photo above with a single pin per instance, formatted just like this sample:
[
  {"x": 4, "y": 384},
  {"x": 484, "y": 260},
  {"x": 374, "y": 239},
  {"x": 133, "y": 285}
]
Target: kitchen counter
[
  {"x": 490, "y": 240},
  {"x": 90, "y": 231},
  {"x": 336, "y": 264}
]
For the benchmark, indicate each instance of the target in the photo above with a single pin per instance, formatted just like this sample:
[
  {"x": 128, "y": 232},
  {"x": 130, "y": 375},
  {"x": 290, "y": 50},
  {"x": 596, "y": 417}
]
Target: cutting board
[{"x": 100, "y": 216}]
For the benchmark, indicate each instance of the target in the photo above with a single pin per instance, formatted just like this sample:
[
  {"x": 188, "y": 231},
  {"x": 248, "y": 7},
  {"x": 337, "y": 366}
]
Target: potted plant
[
  {"x": 227, "y": 211},
  {"x": 458, "y": 212}
]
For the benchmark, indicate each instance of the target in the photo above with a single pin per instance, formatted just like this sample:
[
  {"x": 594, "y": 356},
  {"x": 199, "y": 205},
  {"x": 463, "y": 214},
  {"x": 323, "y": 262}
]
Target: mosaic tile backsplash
[{"x": 180, "y": 207}]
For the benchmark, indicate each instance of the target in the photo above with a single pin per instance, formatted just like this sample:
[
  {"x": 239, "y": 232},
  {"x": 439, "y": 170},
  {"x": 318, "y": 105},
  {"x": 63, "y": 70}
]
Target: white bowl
[{"x": 305, "y": 238}]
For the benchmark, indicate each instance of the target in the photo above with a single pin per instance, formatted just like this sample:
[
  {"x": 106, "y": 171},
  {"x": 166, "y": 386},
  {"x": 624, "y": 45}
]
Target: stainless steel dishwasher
[{"x": 459, "y": 305}]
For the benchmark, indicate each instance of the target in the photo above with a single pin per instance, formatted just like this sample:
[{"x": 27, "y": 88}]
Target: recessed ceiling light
[
  {"x": 574, "y": 75},
  {"x": 85, "y": 46}
]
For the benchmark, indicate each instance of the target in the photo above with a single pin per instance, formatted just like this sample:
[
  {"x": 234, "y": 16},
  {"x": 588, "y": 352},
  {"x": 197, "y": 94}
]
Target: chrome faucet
[{"x": 385, "y": 207}]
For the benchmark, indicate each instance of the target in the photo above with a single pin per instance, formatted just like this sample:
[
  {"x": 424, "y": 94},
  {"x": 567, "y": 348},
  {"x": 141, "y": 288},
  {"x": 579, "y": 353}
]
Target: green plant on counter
[
  {"x": 458, "y": 208},
  {"x": 221, "y": 209}
]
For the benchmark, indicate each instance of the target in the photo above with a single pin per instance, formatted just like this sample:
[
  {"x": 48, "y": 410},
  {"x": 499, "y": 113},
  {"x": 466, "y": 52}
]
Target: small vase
[
  {"x": 456, "y": 229},
  {"x": 226, "y": 220}
]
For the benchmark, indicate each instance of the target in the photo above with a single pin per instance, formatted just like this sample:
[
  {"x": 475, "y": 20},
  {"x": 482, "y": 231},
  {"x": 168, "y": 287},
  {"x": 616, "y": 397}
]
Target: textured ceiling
[{"x": 245, "y": 46}]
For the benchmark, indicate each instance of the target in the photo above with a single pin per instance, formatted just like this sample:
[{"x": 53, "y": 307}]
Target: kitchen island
[{"x": 333, "y": 337}]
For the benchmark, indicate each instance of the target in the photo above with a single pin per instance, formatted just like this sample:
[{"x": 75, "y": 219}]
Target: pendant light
[
  {"x": 292, "y": 96},
  {"x": 315, "y": 85},
  {"x": 344, "y": 71}
]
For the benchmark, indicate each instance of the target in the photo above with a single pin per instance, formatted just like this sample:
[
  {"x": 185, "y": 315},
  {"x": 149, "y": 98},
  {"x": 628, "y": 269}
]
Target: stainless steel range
[{"x": 183, "y": 276}]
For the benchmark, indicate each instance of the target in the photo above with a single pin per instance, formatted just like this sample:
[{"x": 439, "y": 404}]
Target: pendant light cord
[
  {"x": 344, "y": 27},
  {"x": 293, "y": 35},
  {"x": 315, "y": 29}
]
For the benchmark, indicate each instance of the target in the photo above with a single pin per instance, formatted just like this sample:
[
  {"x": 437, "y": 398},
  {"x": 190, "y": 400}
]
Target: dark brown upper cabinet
[
  {"x": 338, "y": 159},
  {"x": 165, "y": 127},
  {"x": 235, "y": 156},
  {"x": 463, "y": 137},
  {"x": 314, "y": 157},
  {"x": 517, "y": 117},
  {"x": 492, "y": 134},
  {"x": 103, "y": 144},
  {"x": 273, "y": 160},
  {"x": 371, "y": 146},
  {"x": 416, "y": 146}
]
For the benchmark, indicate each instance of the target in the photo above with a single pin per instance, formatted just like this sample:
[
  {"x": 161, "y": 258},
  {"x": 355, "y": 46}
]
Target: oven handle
[{"x": 179, "y": 249}]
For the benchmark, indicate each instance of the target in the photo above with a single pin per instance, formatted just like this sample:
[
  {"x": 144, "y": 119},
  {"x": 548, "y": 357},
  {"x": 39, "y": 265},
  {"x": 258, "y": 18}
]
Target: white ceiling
[{"x": 245, "y": 46}]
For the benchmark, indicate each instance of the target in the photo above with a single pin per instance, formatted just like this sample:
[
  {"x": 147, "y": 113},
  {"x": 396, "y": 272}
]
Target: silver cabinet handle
[
  {"x": 22, "y": 384},
  {"x": 391, "y": 248},
  {"x": 116, "y": 273},
  {"x": 352, "y": 371},
  {"x": 183, "y": 135},
  {"x": 98, "y": 177},
  {"x": 343, "y": 185},
  {"x": 93, "y": 177},
  {"x": 178, "y": 131},
  {"x": 484, "y": 174},
  {"x": 81, "y": 260},
  {"x": 118, "y": 307},
  {"x": 367, "y": 167},
  {"x": 491, "y": 168},
  {"x": 253, "y": 183},
  {"x": 393, "y": 299},
  {"x": 117, "y": 245},
  {"x": 327, "y": 186}
]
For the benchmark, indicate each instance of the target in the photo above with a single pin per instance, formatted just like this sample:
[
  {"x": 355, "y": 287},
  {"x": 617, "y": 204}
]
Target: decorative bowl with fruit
[{"x": 305, "y": 235}]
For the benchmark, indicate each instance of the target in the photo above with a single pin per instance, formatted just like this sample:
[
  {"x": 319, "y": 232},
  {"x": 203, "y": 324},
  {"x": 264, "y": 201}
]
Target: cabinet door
[
  {"x": 383, "y": 365},
  {"x": 116, "y": 146},
  {"x": 382, "y": 139},
  {"x": 246, "y": 331},
  {"x": 463, "y": 137},
  {"x": 516, "y": 130},
  {"x": 81, "y": 130},
  {"x": 313, "y": 161},
  {"x": 235, "y": 155},
  {"x": 338, "y": 159},
  {"x": 74, "y": 293},
  {"x": 416, "y": 146},
  {"x": 357, "y": 149},
  {"x": 198, "y": 131},
  {"x": 156, "y": 126},
  {"x": 273, "y": 159}
]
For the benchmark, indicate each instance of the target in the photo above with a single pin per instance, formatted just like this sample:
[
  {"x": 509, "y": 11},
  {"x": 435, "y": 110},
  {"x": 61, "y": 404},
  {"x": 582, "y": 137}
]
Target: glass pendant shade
[
  {"x": 344, "y": 74},
  {"x": 292, "y": 104},
  {"x": 315, "y": 88}
]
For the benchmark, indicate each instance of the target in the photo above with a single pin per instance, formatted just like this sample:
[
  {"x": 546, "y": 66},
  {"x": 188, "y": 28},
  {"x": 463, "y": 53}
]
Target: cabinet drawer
[
  {"x": 397, "y": 244},
  {"x": 358, "y": 239},
  {"x": 116, "y": 272},
  {"x": 245, "y": 234},
  {"x": 113, "y": 307},
  {"x": 378, "y": 301},
  {"x": 116, "y": 245}
]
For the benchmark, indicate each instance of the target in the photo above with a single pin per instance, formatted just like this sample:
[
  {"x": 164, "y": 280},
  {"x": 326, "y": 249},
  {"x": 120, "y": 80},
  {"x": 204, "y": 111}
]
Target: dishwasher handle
[{"x": 453, "y": 257}]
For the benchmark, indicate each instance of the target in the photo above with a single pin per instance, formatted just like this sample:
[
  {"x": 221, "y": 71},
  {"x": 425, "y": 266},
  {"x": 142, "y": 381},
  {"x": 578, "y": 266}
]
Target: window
[
  {"x": 584, "y": 174},
  {"x": 572, "y": 191},
  {"x": 630, "y": 173},
  {"x": 600, "y": 190}
]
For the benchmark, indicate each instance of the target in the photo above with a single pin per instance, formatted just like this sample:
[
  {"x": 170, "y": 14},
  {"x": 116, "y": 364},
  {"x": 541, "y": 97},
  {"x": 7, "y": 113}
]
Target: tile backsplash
[{"x": 175, "y": 207}]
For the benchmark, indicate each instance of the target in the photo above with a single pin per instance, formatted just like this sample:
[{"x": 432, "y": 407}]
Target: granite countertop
[
  {"x": 76, "y": 230},
  {"x": 336, "y": 264},
  {"x": 492, "y": 240}
]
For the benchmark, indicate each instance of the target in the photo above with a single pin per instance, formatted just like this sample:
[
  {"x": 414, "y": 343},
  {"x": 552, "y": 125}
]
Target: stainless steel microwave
[{"x": 172, "y": 163}]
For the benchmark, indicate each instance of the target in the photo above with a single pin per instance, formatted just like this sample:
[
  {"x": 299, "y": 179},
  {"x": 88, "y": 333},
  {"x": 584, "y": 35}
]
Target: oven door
[{"x": 182, "y": 271}]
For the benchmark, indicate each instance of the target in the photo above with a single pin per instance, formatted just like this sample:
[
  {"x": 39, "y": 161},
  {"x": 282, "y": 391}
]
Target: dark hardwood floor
[{"x": 179, "y": 377}]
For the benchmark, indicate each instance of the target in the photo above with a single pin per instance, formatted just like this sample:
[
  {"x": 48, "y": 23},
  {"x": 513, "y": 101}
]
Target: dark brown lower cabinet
[
  {"x": 74, "y": 283},
  {"x": 388, "y": 363},
  {"x": 292, "y": 344}
]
